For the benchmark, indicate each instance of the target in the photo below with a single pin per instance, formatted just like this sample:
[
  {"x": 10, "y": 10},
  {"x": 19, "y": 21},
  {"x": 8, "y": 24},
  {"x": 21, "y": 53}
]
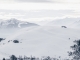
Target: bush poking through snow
[
  {"x": 63, "y": 26},
  {"x": 13, "y": 57},
  {"x": 16, "y": 41},
  {"x": 1, "y": 39}
]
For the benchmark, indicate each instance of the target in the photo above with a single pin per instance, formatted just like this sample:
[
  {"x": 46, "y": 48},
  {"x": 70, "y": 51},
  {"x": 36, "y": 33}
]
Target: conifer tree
[{"x": 76, "y": 50}]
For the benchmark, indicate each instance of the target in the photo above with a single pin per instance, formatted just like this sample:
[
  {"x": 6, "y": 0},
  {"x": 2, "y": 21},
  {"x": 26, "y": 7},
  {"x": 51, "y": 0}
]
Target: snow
[
  {"x": 41, "y": 41},
  {"x": 49, "y": 40},
  {"x": 14, "y": 23},
  {"x": 69, "y": 22}
]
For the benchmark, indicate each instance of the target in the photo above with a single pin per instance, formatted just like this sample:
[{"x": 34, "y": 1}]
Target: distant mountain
[
  {"x": 69, "y": 22},
  {"x": 14, "y": 23}
]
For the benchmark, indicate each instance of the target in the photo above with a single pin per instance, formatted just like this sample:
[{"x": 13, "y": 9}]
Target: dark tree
[
  {"x": 47, "y": 58},
  {"x": 13, "y": 57},
  {"x": 3, "y": 58},
  {"x": 76, "y": 50}
]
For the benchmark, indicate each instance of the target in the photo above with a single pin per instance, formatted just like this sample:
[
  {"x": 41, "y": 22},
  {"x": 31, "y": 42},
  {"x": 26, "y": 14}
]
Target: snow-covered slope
[
  {"x": 40, "y": 41},
  {"x": 49, "y": 40},
  {"x": 14, "y": 23},
  {"x": 69, "y": 22},
  {"x": 9, "y": 27},
  {"x": 76, "y": 24}
]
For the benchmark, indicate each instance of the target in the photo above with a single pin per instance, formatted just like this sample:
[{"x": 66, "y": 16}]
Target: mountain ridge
[{"x": 14, "y": 23}]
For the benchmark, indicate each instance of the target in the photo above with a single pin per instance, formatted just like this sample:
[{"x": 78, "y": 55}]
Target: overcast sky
[
  {"x": 54, "y": 1},
  {"x": 38, "y": 10}
]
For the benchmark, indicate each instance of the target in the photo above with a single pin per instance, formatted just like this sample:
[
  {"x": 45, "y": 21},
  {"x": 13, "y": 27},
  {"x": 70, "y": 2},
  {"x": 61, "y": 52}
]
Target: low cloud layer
[{"x": 38, "y": 15}]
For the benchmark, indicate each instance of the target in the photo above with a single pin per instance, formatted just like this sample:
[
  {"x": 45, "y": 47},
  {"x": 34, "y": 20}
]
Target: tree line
[{"x": 75, "y": 54}]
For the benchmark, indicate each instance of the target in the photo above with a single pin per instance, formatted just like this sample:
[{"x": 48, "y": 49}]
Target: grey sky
[
  {"x": 33, "y": 0},
  {"x": 23, "y": 1},
  {"x": 32, "y": 10},
  {"x": 53, "y": 1}
]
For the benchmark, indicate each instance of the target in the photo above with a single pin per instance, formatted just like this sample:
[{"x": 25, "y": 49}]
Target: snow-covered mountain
[
  {"x": 69, "y": 22},
  {"x": 11, "y": 26},
  {"x": 14, "y": 23},
  {"x": 49, "y": 40},
  {"x": 40, "y": 41}
]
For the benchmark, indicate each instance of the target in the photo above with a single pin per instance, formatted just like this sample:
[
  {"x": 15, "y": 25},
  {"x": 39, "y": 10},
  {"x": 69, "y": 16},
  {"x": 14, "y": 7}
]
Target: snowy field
[{"x": 39, "y": 41}]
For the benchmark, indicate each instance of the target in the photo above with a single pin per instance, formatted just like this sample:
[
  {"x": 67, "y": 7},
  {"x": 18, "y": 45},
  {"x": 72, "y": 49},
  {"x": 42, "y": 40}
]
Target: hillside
[
  {"x": 11, "y": 26},
  {"x": 41, "y": 41},
  {"x": 68, "y": 22},
  {"x": 14, "y": 23}
]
